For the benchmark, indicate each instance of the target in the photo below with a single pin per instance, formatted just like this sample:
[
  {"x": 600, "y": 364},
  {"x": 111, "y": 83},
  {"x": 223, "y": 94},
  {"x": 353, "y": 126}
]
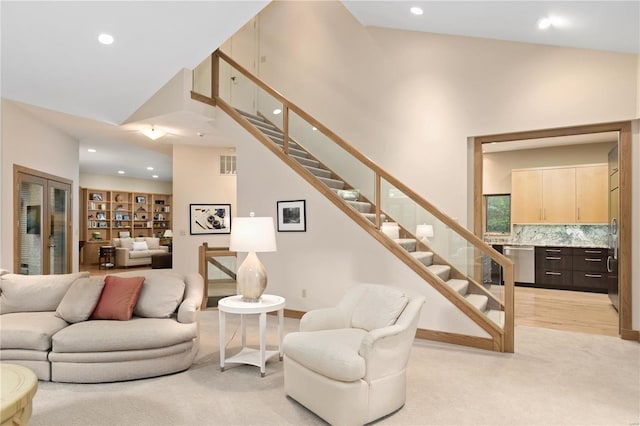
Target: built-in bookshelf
[{"x": 108, "y": 213}]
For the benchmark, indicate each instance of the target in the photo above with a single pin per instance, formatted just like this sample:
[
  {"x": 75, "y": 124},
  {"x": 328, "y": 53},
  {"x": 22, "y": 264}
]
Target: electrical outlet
[{"x": 304, "y": 292}]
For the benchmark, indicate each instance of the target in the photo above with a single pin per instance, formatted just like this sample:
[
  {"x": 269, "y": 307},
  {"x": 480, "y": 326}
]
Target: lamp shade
[
  {"x": 255, "y": 234},
  {"x": 167, "y": 233},
  {"x": 391, "y": 229},
  {"x": 424, "y": 231}
]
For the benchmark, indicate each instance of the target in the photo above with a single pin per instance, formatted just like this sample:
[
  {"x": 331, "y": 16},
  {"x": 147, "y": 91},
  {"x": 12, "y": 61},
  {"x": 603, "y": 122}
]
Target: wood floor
[
  {"x": 558, "y": 309},
  {"x": 566, "y": 310}
]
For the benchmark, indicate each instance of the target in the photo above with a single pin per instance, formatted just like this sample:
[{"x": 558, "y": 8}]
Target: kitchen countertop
[{"x": 510, "y": 241}]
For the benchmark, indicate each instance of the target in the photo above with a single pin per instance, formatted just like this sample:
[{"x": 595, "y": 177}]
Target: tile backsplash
[{"x": 554, "y": 235}]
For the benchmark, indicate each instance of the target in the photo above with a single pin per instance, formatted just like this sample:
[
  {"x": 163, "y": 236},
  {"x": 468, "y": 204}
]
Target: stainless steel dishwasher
[{"x": 524, "y": 261}]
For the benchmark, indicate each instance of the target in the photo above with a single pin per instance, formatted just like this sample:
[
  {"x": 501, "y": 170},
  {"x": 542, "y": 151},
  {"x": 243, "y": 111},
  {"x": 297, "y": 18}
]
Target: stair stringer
[{"x": 495, "y": 340}]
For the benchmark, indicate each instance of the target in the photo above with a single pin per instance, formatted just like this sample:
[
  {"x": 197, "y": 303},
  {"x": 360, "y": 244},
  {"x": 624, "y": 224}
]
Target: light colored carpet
[{"x": 555, "y": 378}]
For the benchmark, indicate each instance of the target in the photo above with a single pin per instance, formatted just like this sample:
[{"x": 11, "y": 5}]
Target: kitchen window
[{"x": 498, "y": 214}]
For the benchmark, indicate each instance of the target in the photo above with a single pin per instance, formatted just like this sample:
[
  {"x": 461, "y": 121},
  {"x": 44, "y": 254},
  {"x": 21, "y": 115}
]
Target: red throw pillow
[{"x": 118, "y": 298}]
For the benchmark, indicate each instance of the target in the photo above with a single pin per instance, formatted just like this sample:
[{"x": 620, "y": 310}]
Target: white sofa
[
  {"x": 44, "y": 326},
  {"x": 137, "y": 251},
  {"x": 348, "y": 364}
]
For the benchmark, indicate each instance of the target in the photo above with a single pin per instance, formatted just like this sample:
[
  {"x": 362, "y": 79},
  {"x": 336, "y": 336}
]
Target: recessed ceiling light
[
  {"x": 92, "y": 150},
  {"x": 416, "y": 10},
  {"x": 120, "y": 172},
  {"x": 277, "y": 111},
  {"x": 155, "y": 176},
  {"x": 149, "y": 168},
  {"x": 105, "y": 38}
]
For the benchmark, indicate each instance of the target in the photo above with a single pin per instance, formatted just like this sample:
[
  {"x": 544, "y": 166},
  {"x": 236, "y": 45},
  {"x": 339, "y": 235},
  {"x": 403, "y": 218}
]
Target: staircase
[
  {"x": 457, "y": 278},
  {"x": 365, "y": 207}
]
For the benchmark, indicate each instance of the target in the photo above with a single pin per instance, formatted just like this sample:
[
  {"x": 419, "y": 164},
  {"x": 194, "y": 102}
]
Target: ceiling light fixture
[
  {"x": 120, "y": 172},
  {"x": 416, "y": 10},
  {"x": 153, "y": 133},
  {"x": 277, "y": 111},
  {"x": 105, "y": 38},
  {"x": 92, "y": 150},
  {"x": 155, "y": 176},
  {"x": 149, "y": 168}
]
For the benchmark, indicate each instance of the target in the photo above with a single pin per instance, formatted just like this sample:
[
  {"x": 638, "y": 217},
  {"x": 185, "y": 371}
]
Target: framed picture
[
  {"x": 292, "y": 216},
  {"x": 140, "y": 199},
  {"x": 96, "y": 197},
  {"x": 118, "y": 216},
  {"x": 101, "y": 216},
  {"x": 210, "y": 219},
  {"x": 126, "y": 217}
]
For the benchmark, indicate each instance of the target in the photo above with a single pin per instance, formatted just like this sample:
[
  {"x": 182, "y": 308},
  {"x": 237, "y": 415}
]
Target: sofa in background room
[{"x": 137, "y": 251}]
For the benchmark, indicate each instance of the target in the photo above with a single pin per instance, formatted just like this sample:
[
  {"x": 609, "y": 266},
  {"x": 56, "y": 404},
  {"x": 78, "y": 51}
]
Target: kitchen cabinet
[
  {"x": 572, "y": 268},
  {"x": 590, "y": 269},
  {"x": 543, "y": 195},
  {"x": 559, "y": 195},
  {"x": 554, "y": 267},
  {"x": 591, "y": 194},
  {"x": 526, "y": 196}
]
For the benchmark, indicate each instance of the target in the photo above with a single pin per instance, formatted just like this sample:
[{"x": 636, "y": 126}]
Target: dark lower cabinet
[
  {"x": 572, "y": 268},
  {"x": 554, "y": 267}
]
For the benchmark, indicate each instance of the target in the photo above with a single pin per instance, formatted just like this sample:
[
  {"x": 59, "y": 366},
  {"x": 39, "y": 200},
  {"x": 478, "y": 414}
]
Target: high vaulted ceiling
[{"x": 52, "y": 62}]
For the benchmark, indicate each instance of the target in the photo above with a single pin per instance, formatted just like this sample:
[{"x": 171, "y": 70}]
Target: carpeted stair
[{"x": 366, "y": 209}]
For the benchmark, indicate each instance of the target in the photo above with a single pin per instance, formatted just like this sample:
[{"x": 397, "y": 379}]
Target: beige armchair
[{"x": 348, "y": 364}]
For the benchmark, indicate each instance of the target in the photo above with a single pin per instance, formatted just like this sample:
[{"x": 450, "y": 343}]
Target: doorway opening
[
  {"x": 537, "y": 138},
  {"x": 43, "y": 231}
]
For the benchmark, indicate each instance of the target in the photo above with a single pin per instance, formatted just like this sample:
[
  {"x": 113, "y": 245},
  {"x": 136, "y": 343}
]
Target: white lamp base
[{"x": 251, "y": 278}]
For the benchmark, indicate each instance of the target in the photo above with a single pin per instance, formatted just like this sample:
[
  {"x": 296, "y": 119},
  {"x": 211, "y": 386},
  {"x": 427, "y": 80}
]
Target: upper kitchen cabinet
[
  {"x": 559, "y": 195},
  {"x": 526, "y": 196},
  {"x": 543, "y": 195},
  {"x": 591, "y": 194}
]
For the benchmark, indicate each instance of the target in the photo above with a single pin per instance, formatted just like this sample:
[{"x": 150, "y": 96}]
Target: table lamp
[
  {"x": 168, "y": 235},
  {"x": 252, "y": 234},
  {"x": 424, "y": 232},
  {"x": 391, "y": 229}
]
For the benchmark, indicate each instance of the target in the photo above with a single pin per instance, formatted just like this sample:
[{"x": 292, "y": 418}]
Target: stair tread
[
  {"x": 425, "y": 257},
  {"x": 459, "y": 285},
  {"x": 477, "y": 300},
  {"x": 305, "y": 161},
  {"x": 360, "y": 206},
  {"x": 496, "y": 316},
  {"x": 318, "y": 172},
  {"x": 333, "y": 183},
  {"x": 440, "y": 270}
]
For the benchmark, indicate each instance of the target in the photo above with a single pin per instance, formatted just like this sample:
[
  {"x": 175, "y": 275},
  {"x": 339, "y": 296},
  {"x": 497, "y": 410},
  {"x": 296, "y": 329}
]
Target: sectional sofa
[{"x": 47, "y": 324}]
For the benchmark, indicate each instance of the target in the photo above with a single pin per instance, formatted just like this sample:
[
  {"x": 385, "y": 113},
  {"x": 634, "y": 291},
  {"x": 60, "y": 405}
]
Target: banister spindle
[{"x": 285, "y": 126}]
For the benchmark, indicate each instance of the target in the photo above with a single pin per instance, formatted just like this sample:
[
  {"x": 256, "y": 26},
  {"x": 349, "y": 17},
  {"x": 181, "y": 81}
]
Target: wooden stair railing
[{"x": 501, "y": 339}]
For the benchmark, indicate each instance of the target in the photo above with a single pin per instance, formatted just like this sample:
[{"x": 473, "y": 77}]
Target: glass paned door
[
  {"x": 30, "y": 226},
  {"x": 58, "y": 226},
  {"x": 44, "y": 226}
]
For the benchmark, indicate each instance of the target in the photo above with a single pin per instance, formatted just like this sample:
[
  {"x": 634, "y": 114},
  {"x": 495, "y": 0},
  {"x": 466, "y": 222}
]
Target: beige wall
[
  {"x": 197, "y": 181},
  {"x": 497, "y": 166},
  {"x": 30, "y": 142}
]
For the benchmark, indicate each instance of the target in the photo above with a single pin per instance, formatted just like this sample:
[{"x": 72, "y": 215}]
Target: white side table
[{"x": 235, "y": 305}]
